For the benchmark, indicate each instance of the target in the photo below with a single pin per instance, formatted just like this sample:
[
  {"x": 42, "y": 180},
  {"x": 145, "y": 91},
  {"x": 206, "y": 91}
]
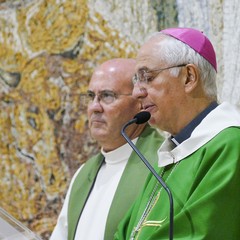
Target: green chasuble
[
  {"x": 130, "y": 185},
  {"x": 206, "y": 193}
]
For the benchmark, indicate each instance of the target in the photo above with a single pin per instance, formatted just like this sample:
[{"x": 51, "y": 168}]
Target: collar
[
  {"x": 119, "y": 154},
  {"x": 187, "y": 131},
  {"x": 223, "y": 116}
]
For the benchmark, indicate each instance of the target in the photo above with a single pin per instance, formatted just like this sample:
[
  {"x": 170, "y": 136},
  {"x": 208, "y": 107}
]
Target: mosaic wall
[{"x": 48, "y": 50}]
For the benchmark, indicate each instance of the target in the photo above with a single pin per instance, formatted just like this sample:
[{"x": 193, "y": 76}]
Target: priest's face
[
  {"x": 161, "y": 92},
  {"x": 111, "y": 102}
]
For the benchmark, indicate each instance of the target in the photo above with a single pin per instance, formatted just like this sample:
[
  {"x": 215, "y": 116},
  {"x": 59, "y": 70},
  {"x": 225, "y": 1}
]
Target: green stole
[{"x": 130, "y": 185}]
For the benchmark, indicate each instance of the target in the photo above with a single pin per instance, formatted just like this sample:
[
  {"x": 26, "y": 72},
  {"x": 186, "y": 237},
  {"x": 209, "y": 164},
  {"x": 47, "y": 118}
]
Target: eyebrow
[
  {"x": 143, "y": 69},
  {"x": 102, "y": 90}
]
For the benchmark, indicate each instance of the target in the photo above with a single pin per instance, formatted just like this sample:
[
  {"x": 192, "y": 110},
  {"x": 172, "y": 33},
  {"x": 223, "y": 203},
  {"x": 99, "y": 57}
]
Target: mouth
[
  {"x": 96, "y": 120},
  {"x": 93, "y": 121},
  {"x": 148, "y": 107}
]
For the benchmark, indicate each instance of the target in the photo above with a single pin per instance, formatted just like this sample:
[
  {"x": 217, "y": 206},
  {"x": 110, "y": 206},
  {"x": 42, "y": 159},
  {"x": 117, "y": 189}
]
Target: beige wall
[{"x": 48, "y": 50}]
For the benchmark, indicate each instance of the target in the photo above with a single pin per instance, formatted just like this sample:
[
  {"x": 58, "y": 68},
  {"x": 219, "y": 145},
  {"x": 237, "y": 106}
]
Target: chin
[
  {"x": 98, "y": 134},
  {"x": 152, "y": 121}
]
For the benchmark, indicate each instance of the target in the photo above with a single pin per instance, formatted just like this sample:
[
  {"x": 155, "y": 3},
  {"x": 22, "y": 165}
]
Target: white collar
[
  {"x": 223, "y": 116},
  {"x": 119, "y": 154}
]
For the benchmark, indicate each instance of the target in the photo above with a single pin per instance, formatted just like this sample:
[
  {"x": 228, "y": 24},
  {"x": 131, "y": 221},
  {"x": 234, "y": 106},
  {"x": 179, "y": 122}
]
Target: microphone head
[{"x": 142, "y": 117}]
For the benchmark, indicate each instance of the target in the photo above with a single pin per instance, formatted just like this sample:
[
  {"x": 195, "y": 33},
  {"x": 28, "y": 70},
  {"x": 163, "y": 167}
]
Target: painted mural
[{"x": 48, "y": 50}]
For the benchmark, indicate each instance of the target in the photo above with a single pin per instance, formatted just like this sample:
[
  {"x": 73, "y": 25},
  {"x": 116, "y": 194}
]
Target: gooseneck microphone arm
[{"x": 140, "y": 118}]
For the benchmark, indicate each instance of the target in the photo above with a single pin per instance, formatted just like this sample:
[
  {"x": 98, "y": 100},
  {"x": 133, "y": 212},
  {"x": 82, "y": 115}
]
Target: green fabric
[
  {"x": 130, "y": 185},
  {"x": 80, "y": 191},
  {"x": 206, "y": 193}
]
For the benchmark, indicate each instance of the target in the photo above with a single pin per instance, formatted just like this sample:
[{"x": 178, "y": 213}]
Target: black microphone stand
[{"x": 160, "y": 180}]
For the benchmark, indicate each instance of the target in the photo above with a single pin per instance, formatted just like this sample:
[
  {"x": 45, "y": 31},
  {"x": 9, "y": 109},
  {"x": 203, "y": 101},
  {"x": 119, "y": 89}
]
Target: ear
[{"x": 191, "y": 78}]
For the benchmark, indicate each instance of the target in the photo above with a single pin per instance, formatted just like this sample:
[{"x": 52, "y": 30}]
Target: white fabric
[
  {"x": 60, "y": 231},
  {"x": 92, "y": 223},
  {"x": 223, "y": 116}
]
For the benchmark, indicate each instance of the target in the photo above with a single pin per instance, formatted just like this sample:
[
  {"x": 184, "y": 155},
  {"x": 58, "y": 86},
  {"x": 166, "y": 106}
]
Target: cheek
[
  {"x": 157, "y": 95},
  {"x": 164, "y": 93},
  {"x": 161, "y": 98},
  {"x": 126, "y": 112}
]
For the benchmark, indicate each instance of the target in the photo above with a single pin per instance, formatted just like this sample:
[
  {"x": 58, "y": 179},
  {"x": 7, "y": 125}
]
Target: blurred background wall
[{"x": 48, "y": 50}]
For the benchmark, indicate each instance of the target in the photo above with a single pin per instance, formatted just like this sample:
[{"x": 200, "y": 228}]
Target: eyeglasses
[
  {"x": 105, "y": 96},
  {"x": 143, "y": 75}
]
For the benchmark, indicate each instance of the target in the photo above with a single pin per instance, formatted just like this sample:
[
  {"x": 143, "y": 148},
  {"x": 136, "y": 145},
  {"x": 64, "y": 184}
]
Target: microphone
[{"x": 141, "y": 118}]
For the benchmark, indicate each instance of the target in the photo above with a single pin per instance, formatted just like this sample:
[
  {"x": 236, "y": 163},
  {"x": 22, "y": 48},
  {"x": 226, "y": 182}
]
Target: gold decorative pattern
[{"x": 48, "y": 50}]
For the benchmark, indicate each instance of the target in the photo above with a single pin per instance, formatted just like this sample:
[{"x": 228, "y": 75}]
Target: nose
[
  {"x": 139, "y": 91},
  {"x": 95, "y": 106}
]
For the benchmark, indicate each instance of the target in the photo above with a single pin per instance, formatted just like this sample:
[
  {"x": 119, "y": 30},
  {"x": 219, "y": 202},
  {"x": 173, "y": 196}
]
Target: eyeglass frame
[
  {"x": 136, "y": 79},
  {"x": 100, "y": 96}
]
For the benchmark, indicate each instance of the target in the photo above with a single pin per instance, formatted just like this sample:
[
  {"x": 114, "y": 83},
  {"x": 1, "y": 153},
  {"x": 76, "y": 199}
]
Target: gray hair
[{"x": 176, "y": 52}]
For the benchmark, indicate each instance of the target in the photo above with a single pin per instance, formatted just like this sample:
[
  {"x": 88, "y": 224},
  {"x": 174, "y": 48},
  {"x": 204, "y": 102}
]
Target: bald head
[
  {"x": 119, "y": 70},
  {"x": 107, "y": 118}
]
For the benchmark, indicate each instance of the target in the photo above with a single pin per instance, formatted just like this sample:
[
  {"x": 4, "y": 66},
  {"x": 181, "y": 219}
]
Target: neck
[
  {"x": 133, "y": 132},
  {"x": 190, "y": 112}
]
